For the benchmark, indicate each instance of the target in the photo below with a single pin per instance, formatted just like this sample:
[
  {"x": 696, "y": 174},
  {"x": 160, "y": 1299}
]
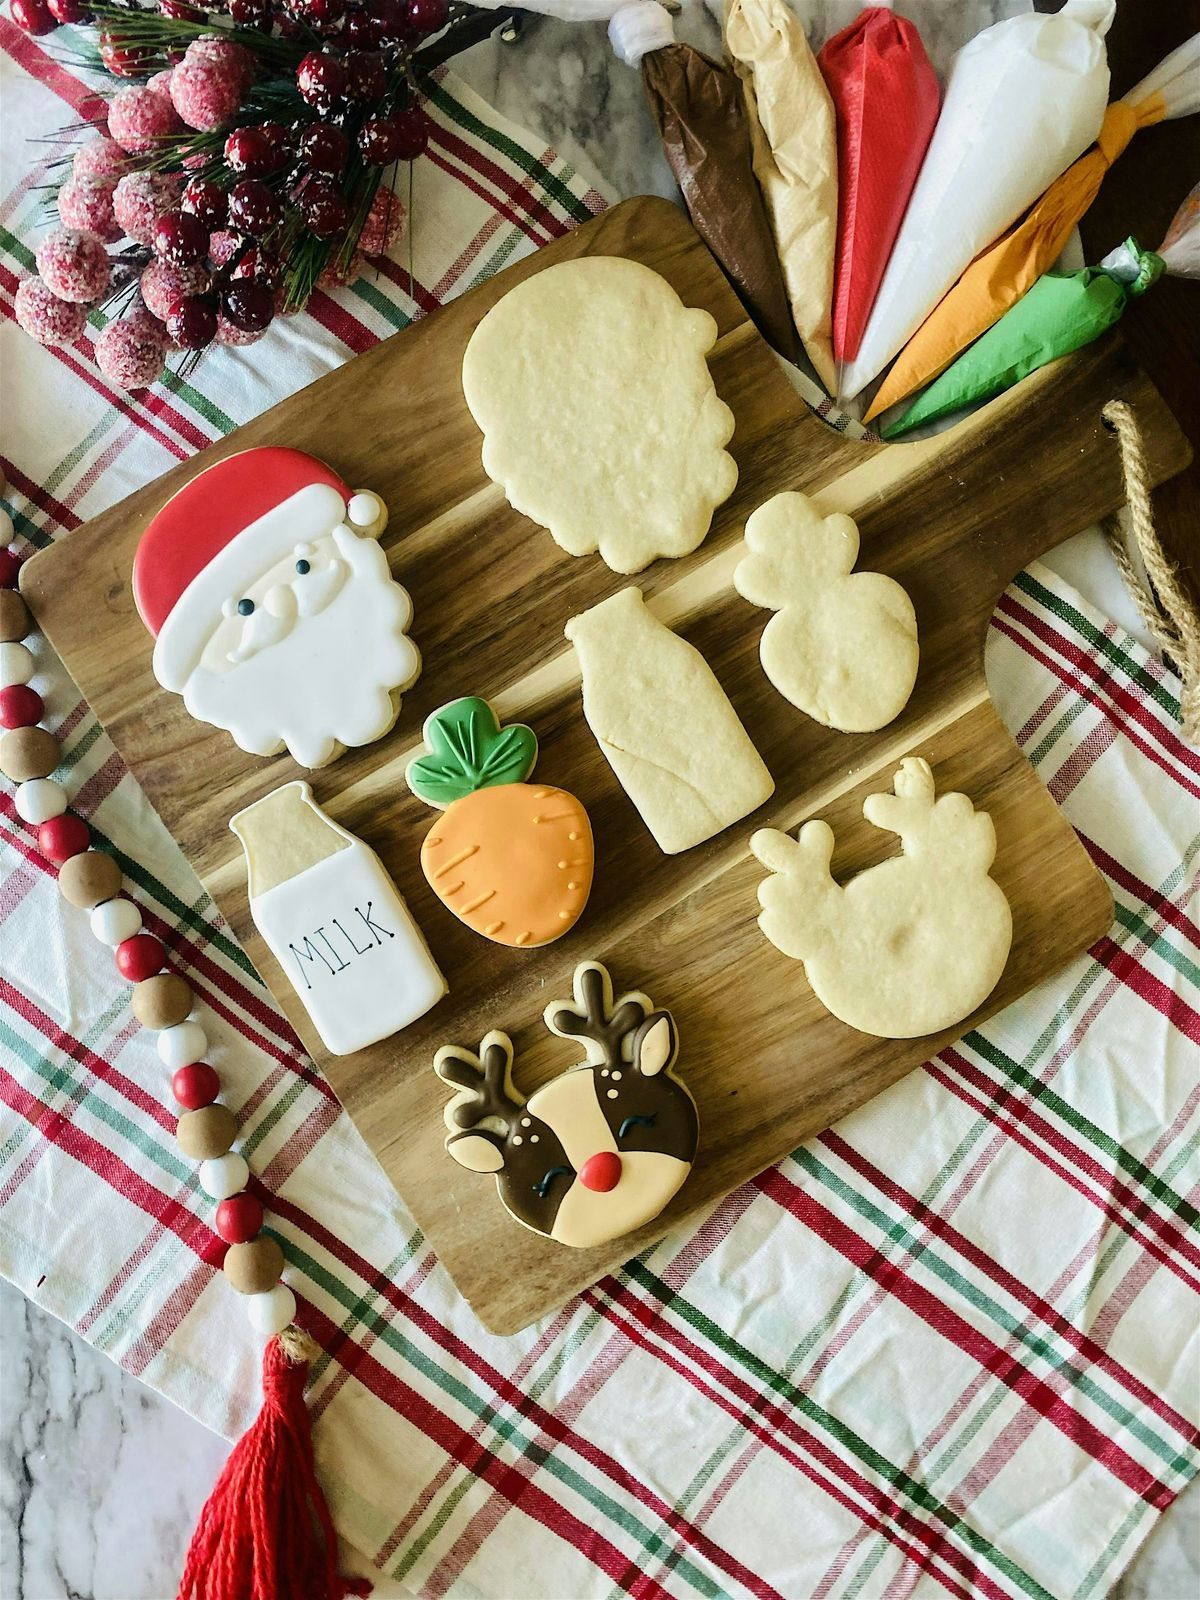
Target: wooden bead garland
[{"x": 91, "y": 880}]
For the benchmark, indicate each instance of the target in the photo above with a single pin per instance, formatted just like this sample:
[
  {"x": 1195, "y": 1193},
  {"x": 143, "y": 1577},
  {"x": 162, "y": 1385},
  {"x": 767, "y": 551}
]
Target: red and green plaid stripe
[{"x": 943, "y": 1348}]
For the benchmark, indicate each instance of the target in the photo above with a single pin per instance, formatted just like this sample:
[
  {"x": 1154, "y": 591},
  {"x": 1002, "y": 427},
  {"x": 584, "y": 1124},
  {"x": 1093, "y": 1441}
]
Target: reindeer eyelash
[
  {"x": 542, "y": 1187},
  {"x": 636, "y": 1122}
]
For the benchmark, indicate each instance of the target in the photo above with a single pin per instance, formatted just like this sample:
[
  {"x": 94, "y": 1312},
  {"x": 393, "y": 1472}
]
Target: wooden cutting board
[{"x": 953, "y": 519}]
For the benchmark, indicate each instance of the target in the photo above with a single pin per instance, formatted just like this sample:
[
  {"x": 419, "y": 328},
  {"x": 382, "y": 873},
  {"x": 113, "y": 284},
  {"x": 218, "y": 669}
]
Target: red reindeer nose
[{"x": 601, "y": 1172}]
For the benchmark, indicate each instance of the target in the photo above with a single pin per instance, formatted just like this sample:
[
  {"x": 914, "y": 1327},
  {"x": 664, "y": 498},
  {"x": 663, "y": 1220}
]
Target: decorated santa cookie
[
  {"x": 511, "y": 859},
  {"x": 597, "y": 1151},
  {"x": 274, "y": 613}
]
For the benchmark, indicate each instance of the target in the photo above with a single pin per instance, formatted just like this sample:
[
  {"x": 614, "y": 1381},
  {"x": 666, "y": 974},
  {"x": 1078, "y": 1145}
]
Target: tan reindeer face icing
[
  {"x": 600, "y": 1150},
  {"x": 910, "y": 946}
]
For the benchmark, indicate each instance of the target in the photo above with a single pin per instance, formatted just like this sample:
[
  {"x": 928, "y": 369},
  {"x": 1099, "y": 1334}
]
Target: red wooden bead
[
  {"x": 20, "y": 706},
  {"x": 10, "y": 566},
  {"x": 140, "y": 957},
  {"x": 63, "y": 837},
  {"x": 239, "y": 1218},
  {"x": 196, "y": 1085}
]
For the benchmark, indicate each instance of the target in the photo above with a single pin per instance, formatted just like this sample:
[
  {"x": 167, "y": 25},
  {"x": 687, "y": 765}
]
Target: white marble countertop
[{"x": 101, "y": 1480}]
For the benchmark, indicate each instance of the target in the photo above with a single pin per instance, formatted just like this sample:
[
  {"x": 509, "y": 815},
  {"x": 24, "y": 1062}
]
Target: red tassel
[{"x": 265, "y": 1532}]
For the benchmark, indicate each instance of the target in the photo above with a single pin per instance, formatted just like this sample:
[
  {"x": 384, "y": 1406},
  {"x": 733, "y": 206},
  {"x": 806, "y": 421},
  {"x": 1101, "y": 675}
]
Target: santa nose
[{"x": 601, "y": 1172}]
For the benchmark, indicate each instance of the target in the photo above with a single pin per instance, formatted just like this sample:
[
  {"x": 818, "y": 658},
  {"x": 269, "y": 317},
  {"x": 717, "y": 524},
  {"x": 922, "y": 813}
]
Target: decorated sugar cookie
[
  {"x": 334, "y": 921},
  {"x": 599, "y": 414},
  {"x": 274, "y": 613},
  {"x": 602, "y": 1148},
  {"x": 843, "y": 644},
  {"x": 907, "y": 947},
  {"x": 511, "y": 859}
]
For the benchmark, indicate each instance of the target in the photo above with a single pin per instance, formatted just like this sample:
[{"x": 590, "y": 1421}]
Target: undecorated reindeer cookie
[
  {"x": 602, "y": 1148},
  {"x": 843, "y": 644},
  {"x": 907, "y": 947}
]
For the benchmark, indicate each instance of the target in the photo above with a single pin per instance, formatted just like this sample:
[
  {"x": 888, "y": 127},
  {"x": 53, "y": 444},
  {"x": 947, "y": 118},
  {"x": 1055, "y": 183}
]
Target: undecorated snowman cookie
[
  {"x": 843, "y": 645},
  {"x": 907, "y": 947},
  {"x": 598, "y": 411}
]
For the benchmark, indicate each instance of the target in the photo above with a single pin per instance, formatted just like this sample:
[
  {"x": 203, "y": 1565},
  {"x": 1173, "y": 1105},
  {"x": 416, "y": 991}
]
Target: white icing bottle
[{"x": 334, "y": 921}]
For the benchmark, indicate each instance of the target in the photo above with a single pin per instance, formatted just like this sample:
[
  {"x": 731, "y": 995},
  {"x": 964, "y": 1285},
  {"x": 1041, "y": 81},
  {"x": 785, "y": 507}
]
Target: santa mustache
[{"x": 284, "y": 603}]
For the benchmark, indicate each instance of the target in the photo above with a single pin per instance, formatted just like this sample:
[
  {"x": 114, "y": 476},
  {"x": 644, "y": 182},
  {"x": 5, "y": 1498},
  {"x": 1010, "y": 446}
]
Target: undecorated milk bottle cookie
[
  {"x": 597, "y": 1151},
  {"x": 334, "y": 921},
  {"x": 274, "y": 613},
  {"x": 511, "y": 859}
]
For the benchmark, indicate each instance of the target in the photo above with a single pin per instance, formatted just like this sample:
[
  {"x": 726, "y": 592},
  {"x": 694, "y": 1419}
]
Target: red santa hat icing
[{"x": 217, "y": 536}]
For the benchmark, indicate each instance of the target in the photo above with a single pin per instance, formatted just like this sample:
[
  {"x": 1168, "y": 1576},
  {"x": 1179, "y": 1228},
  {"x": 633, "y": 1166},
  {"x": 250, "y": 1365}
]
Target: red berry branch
[{"x": 249, "y": 157}]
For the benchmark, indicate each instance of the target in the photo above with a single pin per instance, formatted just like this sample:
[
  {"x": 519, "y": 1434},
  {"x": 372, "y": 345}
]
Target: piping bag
[
  {"x": 885, "y": 93},
  {"x": 1023, "y": 100},
  {"x": 792, "y": 127},
  {"x": 999, "y": 277},
  {"x": 1061, "y": 313},
  {"x": 701, "y": 117}
]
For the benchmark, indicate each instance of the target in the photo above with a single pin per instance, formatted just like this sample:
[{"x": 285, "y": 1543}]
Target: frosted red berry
[
  {"x": 249, "y": 304},
  {"x": 250, "y": 13},
  {"x": 207, "y": 200},
  {"x": 63, "y": 837},
  {"x": 141, "y": 957},
  {"x": 223, "y": 246},
  {"x": 253, "y": 209},
  {"x": 362, "y": 31},
  {"x": 324, "y": 148},
  {"x": 141, "y": 120},
  {"x": 99, "y": 158},
  {"x": 87, "y": 203},
  {"x": 162, "y": 284},
  {"x": 206, "y": 93},
  {"x": 180, "y": 11},
  {"x": 239, "y": 1218},
  {"x": 383, "y": 225},
  {"x": 191, "y": 322},
  {"x": 324, "y": 209},
  {"x": 33, "y": 16},
  {"x": 321, "y": 78},
  {"x": 70, "y": 13},
  {"x": 140, "y": 199},
  {"x": 366, "y": 77},
  {"x": 45, "y": 317},
  {"x": 234, "y": 337},
  {"x": 256, "y": 151},
  {"x": 412, "y": 127},
  {"x": 195, "y": 1085},
  {"x": 427, "y": 16},
  {"x": 73, "y": 264},
  {"x": 180, "y": 238},
  {"x": 20, "y": 706},
  {"x": 120, "y": 55},
  {"x": 131, "y": 351},
  {"x": 320, "y": 15}
]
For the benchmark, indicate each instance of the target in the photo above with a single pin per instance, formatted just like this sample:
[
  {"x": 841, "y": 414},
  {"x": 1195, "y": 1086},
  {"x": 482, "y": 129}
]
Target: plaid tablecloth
[{"x": 950, "y": 1346}]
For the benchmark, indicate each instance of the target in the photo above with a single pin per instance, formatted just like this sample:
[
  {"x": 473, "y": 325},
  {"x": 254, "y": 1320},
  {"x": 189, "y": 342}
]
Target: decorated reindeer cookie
[
  {"x": 907, "y": 947},
  {"x": 511, "y": 859},
  {"x": 843, "y": 644},
  {"x": 602, "y": 1148},
  {"x": 272, "y": 607}
]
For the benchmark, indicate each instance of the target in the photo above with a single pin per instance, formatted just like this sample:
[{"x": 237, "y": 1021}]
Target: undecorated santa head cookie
[{"x": 273, "y": 610}]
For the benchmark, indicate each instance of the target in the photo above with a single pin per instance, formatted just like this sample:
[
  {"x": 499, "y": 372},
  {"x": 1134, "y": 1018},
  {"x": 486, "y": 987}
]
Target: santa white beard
[{"x": 330, "y": 681}]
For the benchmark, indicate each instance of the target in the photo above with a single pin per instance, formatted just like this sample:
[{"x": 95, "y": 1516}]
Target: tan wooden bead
[
  {"x": 87, "y": 879},
  {"x": 15, "y": 621},
  {"x": 207, "y": 1133},
  {"x": 28, "y": 753},
  {"x": 162, "y": 1001},
  {"x": 255, "y": 1267}
]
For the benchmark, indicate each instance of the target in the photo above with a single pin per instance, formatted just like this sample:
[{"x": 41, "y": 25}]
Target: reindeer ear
[
  {"x": 476, "y": 1151},
  {"x": 656, "y": 1045}
]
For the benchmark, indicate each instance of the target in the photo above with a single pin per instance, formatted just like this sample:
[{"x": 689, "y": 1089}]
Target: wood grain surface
[{"x": 952, "y": 519}]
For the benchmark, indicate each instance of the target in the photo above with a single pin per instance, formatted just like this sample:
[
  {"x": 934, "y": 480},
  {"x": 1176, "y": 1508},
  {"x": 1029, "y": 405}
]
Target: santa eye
[
  {"x": 542, "y": 1187},
  {"x": 303, "y": 566},
  {"x": 636, "y": 1122},
  {"x": 245, "y": 608}
]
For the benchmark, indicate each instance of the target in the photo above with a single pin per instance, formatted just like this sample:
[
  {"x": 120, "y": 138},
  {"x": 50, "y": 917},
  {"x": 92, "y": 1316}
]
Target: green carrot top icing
[{"x": 469, "y": 750}]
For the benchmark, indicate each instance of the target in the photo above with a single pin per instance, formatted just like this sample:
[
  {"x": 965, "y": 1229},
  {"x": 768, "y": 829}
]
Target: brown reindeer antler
[
  {"x": 604, "y": 1026},
  {"x": 486, "y": 1095}
]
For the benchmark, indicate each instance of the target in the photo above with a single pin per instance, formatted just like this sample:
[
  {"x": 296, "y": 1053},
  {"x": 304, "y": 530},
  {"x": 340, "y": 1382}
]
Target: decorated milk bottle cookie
[
  {"x": 274, "y": 613},
  {"x": 511, "y": 859},
  {"x": 334, "y": 921}
]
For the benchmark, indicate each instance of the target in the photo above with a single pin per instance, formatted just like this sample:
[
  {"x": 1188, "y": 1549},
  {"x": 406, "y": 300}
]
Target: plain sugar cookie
[
  {"x": 843, "y": 644},
  {"x": 599, "y": 415},
  {"x": 910, "y": 946}
]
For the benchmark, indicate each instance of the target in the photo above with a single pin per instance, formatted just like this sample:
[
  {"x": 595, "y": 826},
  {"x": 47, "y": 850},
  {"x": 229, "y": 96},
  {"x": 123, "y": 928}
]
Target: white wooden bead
[
  {"x": 114, "y": 921},
  {"x": 224, "y": 1176},
  {"x": 181, "y": 1045},
  {"x": 16, "y": 665},
  {"x": 271, "y": 1312},
  {"x": 39, "y": 799}
]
